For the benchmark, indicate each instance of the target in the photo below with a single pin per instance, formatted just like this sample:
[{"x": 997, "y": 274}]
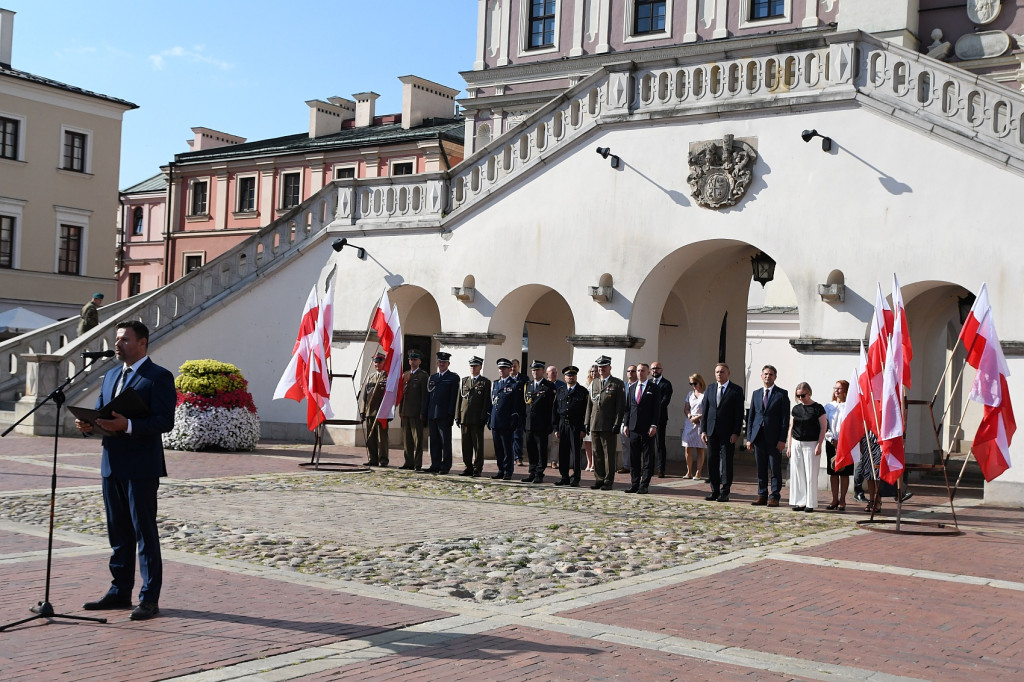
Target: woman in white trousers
[{"x": 807, "y": 430}]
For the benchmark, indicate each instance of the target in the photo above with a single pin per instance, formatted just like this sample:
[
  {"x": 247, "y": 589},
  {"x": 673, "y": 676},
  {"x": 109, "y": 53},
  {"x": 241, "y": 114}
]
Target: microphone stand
[{"x": 44, "y": 609}]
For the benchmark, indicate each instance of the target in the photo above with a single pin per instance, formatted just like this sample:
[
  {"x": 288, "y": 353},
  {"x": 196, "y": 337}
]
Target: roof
[
  {"x": 449, "y": 129},
  {"x": 49, "y": 82},
  {"x": 21, "y": 320},
  {"x": 157, "y": 183}
]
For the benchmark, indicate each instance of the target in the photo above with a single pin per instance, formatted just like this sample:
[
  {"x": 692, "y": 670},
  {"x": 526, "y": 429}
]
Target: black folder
[{"x": 128, "y": 404}]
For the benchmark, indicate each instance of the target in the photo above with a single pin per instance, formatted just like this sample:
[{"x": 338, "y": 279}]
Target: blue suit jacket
[
  {"x": 141, "y": 454},
  {"x": 772, "y": 420},
  {"x": 726, "y": 419},
  {"x": 640, "y": 417}
]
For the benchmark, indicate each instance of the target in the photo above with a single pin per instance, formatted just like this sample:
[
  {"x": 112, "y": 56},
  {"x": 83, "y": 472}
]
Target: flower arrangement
[{"x": 214, "y": 409}]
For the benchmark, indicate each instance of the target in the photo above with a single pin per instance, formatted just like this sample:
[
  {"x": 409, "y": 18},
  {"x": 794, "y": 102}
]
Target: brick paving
[{"x": 846, "y": 604}]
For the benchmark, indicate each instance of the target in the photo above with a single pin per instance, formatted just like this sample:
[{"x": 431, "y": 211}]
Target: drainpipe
[
  {"x": 120, "y": 247},
  {"x": 444, "y": 155},
  {"x": 167, "y": 221}
]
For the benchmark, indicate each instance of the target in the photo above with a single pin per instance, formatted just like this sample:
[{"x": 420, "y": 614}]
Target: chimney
[
  {"x": 425, "y": 99},
  {"x": 6, "y": 36},
  {"x": 325, "y": 118},
  {"x": 364, "y": 108},
  {"x": 208, "y": 138}
]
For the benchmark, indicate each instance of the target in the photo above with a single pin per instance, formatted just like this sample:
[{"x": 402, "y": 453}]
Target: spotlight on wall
[
  {"x": 826, "y": 142},
  {"x": 340, "y": 244},
  {"x": 605, "y": 153}
]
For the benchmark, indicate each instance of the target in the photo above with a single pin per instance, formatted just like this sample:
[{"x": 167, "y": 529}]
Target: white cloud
[{"x": 194, "y": 55}]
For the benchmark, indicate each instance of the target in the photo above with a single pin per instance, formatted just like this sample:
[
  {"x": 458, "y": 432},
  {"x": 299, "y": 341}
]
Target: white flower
[{"x": 227, "y": 428}]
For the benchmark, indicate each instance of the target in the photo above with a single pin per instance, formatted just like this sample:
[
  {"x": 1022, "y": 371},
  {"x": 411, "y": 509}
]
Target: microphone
[{"x": 97, "y": 354}]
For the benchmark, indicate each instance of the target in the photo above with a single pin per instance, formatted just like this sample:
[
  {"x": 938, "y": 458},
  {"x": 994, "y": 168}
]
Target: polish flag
[
  {"x": 393, "y": 388},
  {"x": 318, "y": 407},
  {"x": 294, "y": 383},
  {"x": 380, "y": 325},
  {"x": 878, "y": 342},
  {"x": 901, "y": 313},
  {"x": 851, "y": 419},
  {"x": 891, "y": 433},
  {"x": 992, "y": 442}
]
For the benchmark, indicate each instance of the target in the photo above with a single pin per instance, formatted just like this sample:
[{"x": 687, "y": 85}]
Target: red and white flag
[
  {"x": 380, "y": 324},
  {"x": 294, "y": 381},
  {"x": 995, "y": 433},
  {"x": 890, "y": 436},
  {"x": 851, "y": 419},
  {"x": 901, "y": 313},
  {"x": 393, "y": 388},
  {"x": 319, "y": 371},
  {"x": 878, "y": 342}
]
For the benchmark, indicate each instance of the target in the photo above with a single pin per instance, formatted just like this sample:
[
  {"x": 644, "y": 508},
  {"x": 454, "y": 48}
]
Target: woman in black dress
[{"x": 806, "y": 434}]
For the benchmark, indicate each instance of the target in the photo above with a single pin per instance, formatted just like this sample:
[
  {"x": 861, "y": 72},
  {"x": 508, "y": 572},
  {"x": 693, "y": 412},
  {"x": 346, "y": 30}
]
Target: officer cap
[
  {"x": 475, "y": 361},
  {"x": 603, "y": 361},
  {"x": 415, "y": 355},
  {"x": 504, "y": 362},
  {"x": 379, "y": 356},
  {"x": 443, "y": 357},
  {"x": 98, "y": 295},
  {"x": 538, "y": 364},
  {"x": 571, "y": 369}
]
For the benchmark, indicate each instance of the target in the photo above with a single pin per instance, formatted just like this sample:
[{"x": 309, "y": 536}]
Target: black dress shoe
[
  {"x": 476, "y": 474},
  {"x": 597, "y": 485},
  {"x": 405, "y": 467},
  {"x": 507, "y": 477},
  {"x": 661, "y": 473},
  {"x": 538, "y": 480},
  {"x": 562, "y": 481},
  {"x": 723, "y": 498},
  {"x": 498, "y": 475},
  {"x": 860, "y": 497},
  {"x": 145, "y": 610},
  {"x": 712, "y": 497},
  {"x": 528, "y": 479},
  {"x": 631, "y": 490},
  {"x": 369, "y": 464},
  {"x": 642, "y": 491},
  {"x": 108, "y": 601},
  {"x": 467, "y": 472},
  {"x": 607, "y": 486},
  {"x": 574, "y": 482}
]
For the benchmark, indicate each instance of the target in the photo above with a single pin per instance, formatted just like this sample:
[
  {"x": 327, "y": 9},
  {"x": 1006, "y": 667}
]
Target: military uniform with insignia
[
  {"x": 371, "y": 396},
  {"x": 571, "y": 402},
  {"x": 439, "y": 413},
  {"x": 507, "y": 413},
  {"x": 410, "y": 409},
  {"x": 539, "y": 396},
  {"x": 604, "y": 420},
  {"x": 472, "y": 411}
]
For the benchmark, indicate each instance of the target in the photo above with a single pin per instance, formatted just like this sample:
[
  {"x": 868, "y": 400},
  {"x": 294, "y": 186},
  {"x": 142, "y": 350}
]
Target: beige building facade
[{"x": 60, "y": 150}]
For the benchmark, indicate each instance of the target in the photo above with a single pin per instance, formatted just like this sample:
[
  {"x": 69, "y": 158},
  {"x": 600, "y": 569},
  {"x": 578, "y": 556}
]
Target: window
[
  {"x": 199, "y": 197},
  {"x": 290, "y": 189},
  {"x": 767, "y": 9},
  {"x": 649, "y": 16},
  {"x": 404, "y": 168},
  {"x": 8, "y": 138},
  {"x": 346, "y": 173},
  {"x": 137, "y": 217},
  {"x": 74, "y": 151},
  {"x": 70, "y": 251},
  {"x": 246, "y": 190},
  {"x": 193, "y": 261},
  {"x": 542, "y": 23},
  {"x": 134, "y": 283},
  {"x": 6, "y": 241}
]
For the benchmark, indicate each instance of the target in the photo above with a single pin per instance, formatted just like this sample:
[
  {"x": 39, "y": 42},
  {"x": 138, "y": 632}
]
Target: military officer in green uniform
[
  {"x": 571, "y": 402},
  {"x": 90, "y": 314},
  {"x": 472, "y": 411},
  {"x": 371, "y": 396},
  {"x": 604, "y": 420},
  {"x": 410, "y": 409}
]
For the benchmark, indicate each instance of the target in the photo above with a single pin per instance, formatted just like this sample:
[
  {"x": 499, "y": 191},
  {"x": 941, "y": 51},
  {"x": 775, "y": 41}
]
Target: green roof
[
  {"x": 452, "y": 130},
  {"x": 157, "y": 183}
]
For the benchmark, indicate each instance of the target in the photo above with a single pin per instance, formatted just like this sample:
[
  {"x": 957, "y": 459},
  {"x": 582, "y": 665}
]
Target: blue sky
[{"x": 245, "y": 68}]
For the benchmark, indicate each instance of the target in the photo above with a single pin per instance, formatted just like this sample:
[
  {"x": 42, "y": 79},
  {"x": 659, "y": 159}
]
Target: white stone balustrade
[{"x": 397, "y": 201}]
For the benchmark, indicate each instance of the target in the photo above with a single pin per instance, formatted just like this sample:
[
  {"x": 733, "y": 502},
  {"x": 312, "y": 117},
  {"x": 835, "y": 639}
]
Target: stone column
[{"x": 42, "y": 375}]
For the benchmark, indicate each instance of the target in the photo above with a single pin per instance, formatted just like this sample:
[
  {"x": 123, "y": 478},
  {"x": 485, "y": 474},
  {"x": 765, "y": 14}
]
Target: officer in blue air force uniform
[
  {"x": 507, "y": 414},
  {"x": 570, "y": 421},
  {"x": 439, "y": 413}
]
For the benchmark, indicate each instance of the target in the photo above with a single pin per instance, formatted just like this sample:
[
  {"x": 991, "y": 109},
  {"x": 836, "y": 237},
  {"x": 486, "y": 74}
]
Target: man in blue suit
[
  {"x": 508, "y": 412},
  {"x": 721, "y": 423},
  {"x": 439, "y": 413},
  {"x": 767, "y": 429},
  {"x": 643, "y": 414},
  {"x": 133, "y": 462}
]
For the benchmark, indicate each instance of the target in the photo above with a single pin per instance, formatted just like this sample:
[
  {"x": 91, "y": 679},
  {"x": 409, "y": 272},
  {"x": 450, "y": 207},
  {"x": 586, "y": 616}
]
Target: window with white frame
[
  {"x": 402, "y": 167},
  {"x": 10, "y": 136},
  {"x": 191, "y": 261},
  {"x": 134, "y": 283},
  {"x": 69, "y": 252},
  {"x": 198, "y": 199},
  {"x": 245, "y": 194},
  {"x": 291, "y": 189},
  {"x": 7, "y": 224},
  {"x": 648, "y": 16},
  {"x": 138, "y": 218},
  {"x": 344, "y": 172},
  {"x": 541, "y": 24},
  {"x": 758, "y": 13}
]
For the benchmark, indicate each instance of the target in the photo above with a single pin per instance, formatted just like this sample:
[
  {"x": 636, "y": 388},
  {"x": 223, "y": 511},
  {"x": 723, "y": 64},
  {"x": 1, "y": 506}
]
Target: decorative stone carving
[
  {"x": 939, "y": 49},
  {"x": 983, "y": 11},
  {"x": 982, "y": 45},
  {"x": 720, "y": 172}
]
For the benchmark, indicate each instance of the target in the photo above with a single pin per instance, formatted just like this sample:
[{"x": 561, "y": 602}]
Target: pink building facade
[{"x": 140, "y": 242}]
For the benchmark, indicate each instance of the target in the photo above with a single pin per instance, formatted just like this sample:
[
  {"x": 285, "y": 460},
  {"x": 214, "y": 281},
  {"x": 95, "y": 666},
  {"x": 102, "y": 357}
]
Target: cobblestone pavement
[{"x": 276, "y": 572}]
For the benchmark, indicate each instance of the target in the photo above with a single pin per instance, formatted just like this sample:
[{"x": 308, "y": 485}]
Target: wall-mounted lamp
[
  {"x": 764, "y": 268},
  {"x": 340, "y": 244},
  {"x": 604, "y": 290},
  {"x": 826, "y": 142},
  {"x": 605, "y": 152},
  {"x": 467, "y": 292}
]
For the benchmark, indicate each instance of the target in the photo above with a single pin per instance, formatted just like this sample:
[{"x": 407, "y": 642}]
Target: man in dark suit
[
  {"x": 472, "y": 411},
  {"x": 507, "y": 411},
  {"x": 439, "y": 413},
  {"x": 643, "y": 413},
  {"x": 132, "y": 464},
  {"x": 570, "y": 412},
  {"x": 665, "y": 391},
  {"x": 410, "y": 409},
  {"x": 539, "y": 397},
  {"x": 767, "y": 429},
  {"x": 720, "y": 426}
]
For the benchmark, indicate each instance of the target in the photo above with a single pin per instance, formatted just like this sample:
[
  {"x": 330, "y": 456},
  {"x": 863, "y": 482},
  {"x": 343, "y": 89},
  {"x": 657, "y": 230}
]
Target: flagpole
[
  {"x": 369, "y": 328},
  {"x": 962, "y": 470}
]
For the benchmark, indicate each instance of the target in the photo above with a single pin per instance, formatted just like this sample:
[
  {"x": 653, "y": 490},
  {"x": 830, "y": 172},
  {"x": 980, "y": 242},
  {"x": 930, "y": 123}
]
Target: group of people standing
[{"x": 523, "y": 413}]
